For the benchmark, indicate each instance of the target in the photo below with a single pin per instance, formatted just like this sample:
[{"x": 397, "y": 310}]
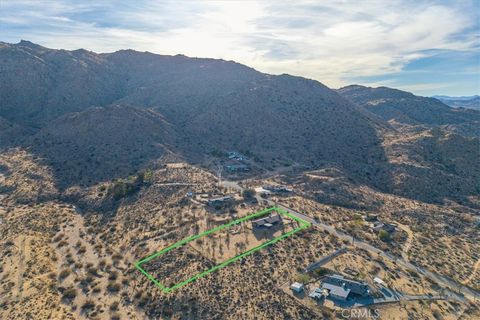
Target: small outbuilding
[{"x": 297, "y": 287}]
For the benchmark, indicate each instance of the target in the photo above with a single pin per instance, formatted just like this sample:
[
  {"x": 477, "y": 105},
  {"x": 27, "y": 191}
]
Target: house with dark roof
[
  {"x": 341, "y": 288},
  {"x": 268, "y": 221},
  {"x": 388, "y": 227},
  {"x": 220, "y": 201}
]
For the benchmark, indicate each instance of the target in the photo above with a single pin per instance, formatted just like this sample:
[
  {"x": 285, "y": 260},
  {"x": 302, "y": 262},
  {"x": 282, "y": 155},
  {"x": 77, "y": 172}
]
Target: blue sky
[{"x": 426, "y": 47}]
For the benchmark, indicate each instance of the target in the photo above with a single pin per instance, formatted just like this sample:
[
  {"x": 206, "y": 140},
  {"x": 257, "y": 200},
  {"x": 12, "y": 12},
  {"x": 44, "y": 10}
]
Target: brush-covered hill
[
  {"x": 99, "y": 144},
  {"x": 209, "y": 104},
  {"x": 39, "y": 84},
  {"x": 96, "y": 117},
  {"x": 408, "y": 109}
]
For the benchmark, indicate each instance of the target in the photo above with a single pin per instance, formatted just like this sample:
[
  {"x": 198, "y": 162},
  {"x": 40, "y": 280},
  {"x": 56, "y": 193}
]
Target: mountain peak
[{"x": 29, "y": 44}]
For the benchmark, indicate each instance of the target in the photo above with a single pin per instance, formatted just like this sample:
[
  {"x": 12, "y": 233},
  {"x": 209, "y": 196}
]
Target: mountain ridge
[
  {"x": 201, "y": 106},
  {"x": 408, "y": 109},
  {"x": 468, "y": 102}
]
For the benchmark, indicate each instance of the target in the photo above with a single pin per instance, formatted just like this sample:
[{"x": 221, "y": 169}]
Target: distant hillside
[
  {"x": 92, "y": 117},
  {"x": 209, "y": 105},
  {"x": 434, "y": 162},
  {"x": 40, "y": 84},
  {"x": 405, "y": 108},
  {"x": 100, "y": 143},
  {"x": 11, "y": 133},
  {"x": 472, "y": 102}
]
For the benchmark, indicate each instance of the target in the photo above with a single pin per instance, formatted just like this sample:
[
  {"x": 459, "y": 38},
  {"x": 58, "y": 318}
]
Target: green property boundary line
[{"x": 303, "y": 224}]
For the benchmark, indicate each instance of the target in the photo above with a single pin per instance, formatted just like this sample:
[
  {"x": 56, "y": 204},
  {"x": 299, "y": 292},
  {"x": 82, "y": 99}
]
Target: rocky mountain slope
[
  {"x": 210, "y": 105},
  {"x": 101, "y": 143},
  {"x": 40, "y": 84},
  {"x": 93, "y": 117},
  {"x": 407, "y": 109},
  {"x": 100, "y": 154},
  {"x": 472, "y": 102}
]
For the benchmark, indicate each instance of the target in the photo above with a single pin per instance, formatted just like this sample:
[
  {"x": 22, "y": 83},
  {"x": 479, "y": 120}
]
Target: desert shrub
[
  {"x": 113, "y": 287},
  {"x": 113, "y": 275},
  {"x": 124, "y": 187},
  {"x": 62, "y": 243},
  {"x": 322, "y": 271},
  {"x": 142, "y": 301},
  {"x": 70, "y": 259},
  {"x": 9, "y": 243},
  {"x": 64, "y": 273},
  {"x": 58, "y": 237},
  {"x": 302, "y": 278},
  {"x": 384, "y": 235},
  {"x": 69, "y": 294},
  {"x": 437, "y": 315},
  {"x": 116, "y": 257},
  {"x": 115, "y": 316},
  {"x": 93, "y": 271},
  {"x": 413, "y": 273},
  {"x": 119, "y": 189},
  {"x": 101, "y": 264},
  {"x": 86, "y": 281},
  {"x": 114, "y": 306},
  {"x": 145, "y": 176},
  {"x": 248, "y": 193},
  {"x": 168, "y": 312},
  {"x": 88, "y": 305}
]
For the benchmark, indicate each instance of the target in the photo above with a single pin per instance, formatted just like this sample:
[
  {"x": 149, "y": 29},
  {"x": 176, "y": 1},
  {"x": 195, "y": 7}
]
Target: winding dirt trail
[{"x": 408, "y": 243}]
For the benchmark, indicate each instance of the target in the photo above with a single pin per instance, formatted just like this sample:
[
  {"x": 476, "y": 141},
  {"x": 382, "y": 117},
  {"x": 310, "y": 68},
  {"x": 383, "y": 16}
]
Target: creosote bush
[
  {"x": 64, "y": 273},
  {"x": 69, "y": 294}
]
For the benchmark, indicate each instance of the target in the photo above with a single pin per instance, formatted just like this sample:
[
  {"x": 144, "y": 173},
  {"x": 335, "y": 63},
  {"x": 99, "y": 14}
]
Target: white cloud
[{"x": 333, "y": 42}]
